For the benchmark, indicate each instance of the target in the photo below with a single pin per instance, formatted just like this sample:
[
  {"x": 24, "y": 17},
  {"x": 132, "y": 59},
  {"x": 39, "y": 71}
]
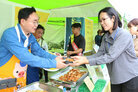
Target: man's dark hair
[
  {"x": 41, "y": 27},
  {"x": 25, "y": 12},
  {"x": 111, "y": 12},
  {"x": 76, "y": 25}
]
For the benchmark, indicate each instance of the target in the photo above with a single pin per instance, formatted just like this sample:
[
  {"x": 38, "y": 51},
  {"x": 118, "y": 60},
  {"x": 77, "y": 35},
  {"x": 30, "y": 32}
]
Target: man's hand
[
  {"x": 74, "y": 52},
  {"x": 79, "y": 60},
  {"x": 60, "y": 62},
  {"x": 57, "y": 54},
  {"x": 69, "y": 53}
]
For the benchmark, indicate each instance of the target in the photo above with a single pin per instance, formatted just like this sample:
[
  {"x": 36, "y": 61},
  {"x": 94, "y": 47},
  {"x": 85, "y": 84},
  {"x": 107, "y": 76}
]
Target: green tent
[{"x": 54, "y": 4}]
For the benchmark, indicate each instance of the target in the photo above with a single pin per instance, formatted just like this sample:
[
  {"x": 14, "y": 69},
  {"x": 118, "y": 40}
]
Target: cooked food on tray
[
  {"x": 72, "y": 76},
  {"x": 35, "y": 91}
]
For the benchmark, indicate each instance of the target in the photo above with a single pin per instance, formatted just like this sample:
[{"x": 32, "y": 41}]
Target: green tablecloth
[{"x": 99, "y": 85}]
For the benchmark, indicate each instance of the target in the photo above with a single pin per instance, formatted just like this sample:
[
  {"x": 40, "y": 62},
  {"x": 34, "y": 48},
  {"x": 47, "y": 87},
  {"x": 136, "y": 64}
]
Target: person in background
[
  {"x": 116, "y": 51},
  {"x": 77, "y": 42},
  {"x": 39, "y": 36},
  {"x": 98, "y": 37},
  {"x": 19, "y": 48},
  {"x": 34, "y": 73},
  {"x": 133, "y": 28}
]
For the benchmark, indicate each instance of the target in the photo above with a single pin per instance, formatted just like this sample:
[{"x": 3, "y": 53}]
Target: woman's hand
[{"x": 79, "y": 60}]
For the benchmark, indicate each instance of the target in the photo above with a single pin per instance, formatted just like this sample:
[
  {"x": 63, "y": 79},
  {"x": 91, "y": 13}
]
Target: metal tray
[
  {"x": 40, "y": 86},
  {"x": 55, "y": 78}
]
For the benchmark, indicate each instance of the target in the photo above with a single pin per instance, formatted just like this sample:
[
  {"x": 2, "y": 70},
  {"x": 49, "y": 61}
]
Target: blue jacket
[{"x": 10, "y": 45}]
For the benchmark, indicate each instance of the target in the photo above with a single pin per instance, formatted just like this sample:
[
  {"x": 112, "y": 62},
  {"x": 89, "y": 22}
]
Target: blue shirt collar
[
  {"x": 114, "y": 34},
  {"x": 110, "y": 38}
]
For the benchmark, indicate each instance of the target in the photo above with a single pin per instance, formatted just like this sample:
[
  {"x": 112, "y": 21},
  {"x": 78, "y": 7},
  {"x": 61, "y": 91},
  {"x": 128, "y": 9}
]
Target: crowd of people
[{"x": 24, "y": 51}]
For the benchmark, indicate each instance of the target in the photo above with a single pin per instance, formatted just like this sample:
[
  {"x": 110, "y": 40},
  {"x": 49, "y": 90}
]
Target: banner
[{"x": 88, "y": 34}]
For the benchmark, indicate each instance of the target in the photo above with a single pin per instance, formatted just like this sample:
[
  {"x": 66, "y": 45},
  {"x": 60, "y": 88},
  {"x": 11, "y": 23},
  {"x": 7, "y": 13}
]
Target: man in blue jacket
[{"x": 19, "y": 48}]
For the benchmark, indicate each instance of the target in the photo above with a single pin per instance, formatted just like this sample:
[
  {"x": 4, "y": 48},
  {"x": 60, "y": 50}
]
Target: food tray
[
  {"x": 55, "y": 77},
  {"x": 40, "y": 86}
]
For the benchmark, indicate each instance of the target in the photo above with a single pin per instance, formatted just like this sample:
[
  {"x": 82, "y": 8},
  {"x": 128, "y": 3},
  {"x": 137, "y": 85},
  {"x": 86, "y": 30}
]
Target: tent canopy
[
  {"x": 50, "y": 4},
  {"x": 60, "y": 9},
  {"x": 66, "y": 8}
]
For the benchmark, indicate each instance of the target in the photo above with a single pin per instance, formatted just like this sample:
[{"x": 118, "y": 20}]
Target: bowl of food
[{"x": 68, "y": 60}]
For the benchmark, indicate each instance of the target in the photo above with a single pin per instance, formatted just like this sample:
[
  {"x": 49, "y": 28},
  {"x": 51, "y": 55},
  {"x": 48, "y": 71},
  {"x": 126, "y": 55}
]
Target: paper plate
[{"x": 51, "y": 69}]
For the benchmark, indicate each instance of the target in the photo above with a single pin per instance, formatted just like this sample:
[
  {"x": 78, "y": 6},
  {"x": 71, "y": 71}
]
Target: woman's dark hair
[
  {"x": 111, "y": 12},
  {"x": 133, "y": 22},
  {"x": 41, "y": 27},
  {"x": 76, "y": 25},
  {"x": 99, "y": 31},
  {"x": 25, "y": 12}
]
